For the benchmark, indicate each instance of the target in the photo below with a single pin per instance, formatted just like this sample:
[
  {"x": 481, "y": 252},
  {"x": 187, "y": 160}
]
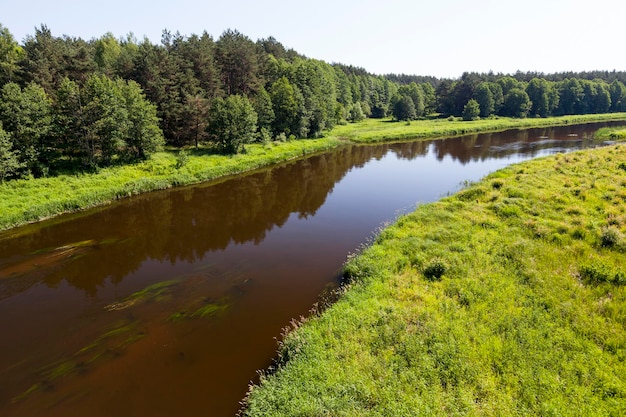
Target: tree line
[
  {"x": 512, "y": 96},
  {"x": 70, "y": 104}
]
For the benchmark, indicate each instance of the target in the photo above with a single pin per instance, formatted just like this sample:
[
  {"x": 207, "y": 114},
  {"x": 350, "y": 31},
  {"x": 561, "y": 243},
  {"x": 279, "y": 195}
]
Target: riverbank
[
  {"x": 376, "y": 130},
  {"x": 508, "y": 298},
  {"x": 611, "y": 133},
  {"x": 27, "y": 201}
]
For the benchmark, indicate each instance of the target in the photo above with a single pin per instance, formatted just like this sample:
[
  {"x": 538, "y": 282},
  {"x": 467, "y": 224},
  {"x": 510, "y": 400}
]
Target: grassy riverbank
[
  {"x": 508, "y": 298},
  {"x": 25, "y": 201},
  {"x": 376, "y": 130},
  {"x": 611, "y": 133}
]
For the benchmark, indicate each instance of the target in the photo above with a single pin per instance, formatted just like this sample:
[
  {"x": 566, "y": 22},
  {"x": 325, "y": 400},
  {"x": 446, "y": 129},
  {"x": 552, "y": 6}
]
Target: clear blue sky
[{"x": 442, "y": 38}]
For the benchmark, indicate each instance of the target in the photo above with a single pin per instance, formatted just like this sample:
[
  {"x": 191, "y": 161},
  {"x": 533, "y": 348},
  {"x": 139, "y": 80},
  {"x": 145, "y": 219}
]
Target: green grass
[
  {"x": 31, "y": 200},
  {"x": 376, "y": 130},
  {"x": 506, "y": 299},
  {"x": 611, "y": 133}
]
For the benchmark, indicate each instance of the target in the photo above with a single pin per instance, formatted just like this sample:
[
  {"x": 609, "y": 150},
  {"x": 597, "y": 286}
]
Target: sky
[{"x": 441, "y": 38}]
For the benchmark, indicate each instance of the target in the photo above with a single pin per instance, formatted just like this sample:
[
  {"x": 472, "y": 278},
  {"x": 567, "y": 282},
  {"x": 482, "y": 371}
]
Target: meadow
[{"x": 507, "y": 298}]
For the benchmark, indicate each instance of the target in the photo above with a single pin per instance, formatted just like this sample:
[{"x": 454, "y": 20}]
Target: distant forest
[{"x": 69, "y": 104}]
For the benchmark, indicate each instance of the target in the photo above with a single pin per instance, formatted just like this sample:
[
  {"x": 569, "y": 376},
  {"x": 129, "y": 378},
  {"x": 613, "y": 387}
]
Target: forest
[{"x": 74, "y": 105}]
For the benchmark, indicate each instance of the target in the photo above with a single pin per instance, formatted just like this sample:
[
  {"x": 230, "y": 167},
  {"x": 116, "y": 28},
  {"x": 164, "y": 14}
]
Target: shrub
[
  {"x": 181, "y": 159},
  {"x": 610, "y": 237},
  {"x": 497, "y": 184},
  {"x": 600, "y": 272},
  {"x": 435, "y": 270},
  {"x": 471, "y": 111}
]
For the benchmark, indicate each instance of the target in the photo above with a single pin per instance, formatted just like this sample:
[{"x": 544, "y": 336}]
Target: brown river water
[{"x": 167, "y": 304}]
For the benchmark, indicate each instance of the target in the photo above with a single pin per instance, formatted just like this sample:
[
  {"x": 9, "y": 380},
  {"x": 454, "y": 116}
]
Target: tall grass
[
  {"x": 611, "y": 133},
  {"x": 507, "y": 298}
]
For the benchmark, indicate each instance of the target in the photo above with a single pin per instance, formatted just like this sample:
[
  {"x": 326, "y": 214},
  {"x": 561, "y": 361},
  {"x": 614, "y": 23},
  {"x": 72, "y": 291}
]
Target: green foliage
[
  {"x": 403, "y": 108},
  {"x": 105, "y": 120},
  {"x": 430, "y": 98},
  {"x": 516, "y": 103},
  {"x": 611, "y": 133},
  {"x": 543, "y": 96},
  {"x": 291, "y": 94},
  {"x": 26, "y": 116},
  {"x": 181, "y": 159},
  {"x": 484, "y": 98},
  {"x": 571, "y": 96},
  {"x": 10, "y": 55},
  {"x": 598, "y": 272},
  {"x": 232, "y": 123},
  {"x": 9, "y": 162},
  {"x": 617, "y": 92},
  {"x": 144, "y": 135},
  {"x": 471, "y": 111},
  {"x": 107, "y": 53},
  {"x": 372, "y": 130},
  {"x": 611, "y": 237},
  {"x": 263, "y": 107},
  {"x": 287, "y": 102},
  {"x": 237, "y": 59},
  {"x": 416, "y": 93},
  {"x": 356, "y": 113}
]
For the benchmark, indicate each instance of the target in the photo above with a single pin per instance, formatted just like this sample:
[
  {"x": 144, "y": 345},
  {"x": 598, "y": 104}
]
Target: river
[{"x": 167, "y": 304}]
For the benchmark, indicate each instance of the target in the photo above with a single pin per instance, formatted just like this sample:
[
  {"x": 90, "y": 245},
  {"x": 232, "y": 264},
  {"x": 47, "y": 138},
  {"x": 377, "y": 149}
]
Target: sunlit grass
[
  {"x": 525, "y": 315},
  {"x": 611, "y": 133},
  {"x": 376, "y": 130}
]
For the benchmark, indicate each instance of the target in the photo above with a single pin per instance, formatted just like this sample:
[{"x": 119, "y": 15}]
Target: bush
[
  {"x": 610, "y": 237},
  {"x": 435, "y": 270},
  {"x": 471, "y": 111},
  {"x": 181, "y": 159},
  {"x": 497, "y": 184},
  {"x": 600, "y": 272}
]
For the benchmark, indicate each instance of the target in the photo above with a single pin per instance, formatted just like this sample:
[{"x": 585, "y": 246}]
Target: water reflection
[
  {"x": 183, "y": 225},
  {"x": 257, "y": 249}
]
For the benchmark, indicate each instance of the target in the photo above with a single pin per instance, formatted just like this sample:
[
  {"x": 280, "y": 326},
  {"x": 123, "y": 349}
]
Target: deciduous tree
[
  {"x": 105, "y": 118},
  {"x": 516, "y": 103},
  {"x": 144, "y": 135},
  {"x": 286, "y": 102},
  {"x": 484, "y": 98},
  {"x": 471, "y": 111},
  {"x": 617, "y": 91},
  {"x": 403, "y": 108},
  {"x": 10, "y": 55},
  {"x": 9, "y": 158},
  {"x": 232, "y": 123},
  {"x": 26, "y": 116}
]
